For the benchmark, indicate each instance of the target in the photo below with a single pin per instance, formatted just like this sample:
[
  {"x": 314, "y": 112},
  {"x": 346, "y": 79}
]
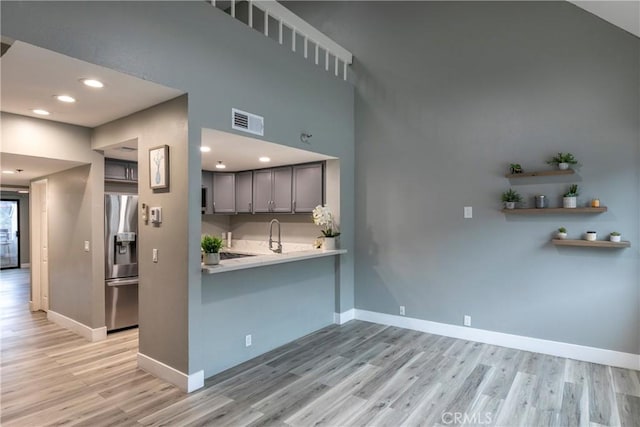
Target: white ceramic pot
[
  {"x": 211, "y": 259},
  {"x": 561, "y": 236},
  {"x": 329, "y": 243},
  {"x": 569, "y": 202},
  {"x": 591, "y": 236},
  {"x": 615, "y": 238},
  {"x": 563, "y": 166},
  {"x": 510, "y": 205}
]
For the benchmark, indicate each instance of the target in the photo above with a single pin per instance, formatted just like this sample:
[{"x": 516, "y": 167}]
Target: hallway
[{"x": 51, "y": 375}]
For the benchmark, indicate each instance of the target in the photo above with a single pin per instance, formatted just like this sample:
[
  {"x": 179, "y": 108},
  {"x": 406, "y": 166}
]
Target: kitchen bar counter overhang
[{"x": 264, "y": 260}]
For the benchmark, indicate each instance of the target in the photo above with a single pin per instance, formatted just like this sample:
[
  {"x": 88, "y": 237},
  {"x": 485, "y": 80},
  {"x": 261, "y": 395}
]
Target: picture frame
[{"x": 159, "y": 167}]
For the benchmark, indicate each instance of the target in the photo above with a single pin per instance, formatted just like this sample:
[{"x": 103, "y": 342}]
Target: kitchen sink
[{"x": 232, "y": 255}]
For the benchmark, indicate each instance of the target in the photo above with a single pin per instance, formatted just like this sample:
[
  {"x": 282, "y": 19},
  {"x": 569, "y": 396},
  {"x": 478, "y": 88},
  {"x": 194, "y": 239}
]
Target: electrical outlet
[
  {"x": 467, "y": 320},
  {"x": 86, "y": 246},
  {"x": 402, "y": 311},
  {"x": 468, "y": 212},
  {"x": 155, "y": 255},
  {"x": 247, "y": 341}
]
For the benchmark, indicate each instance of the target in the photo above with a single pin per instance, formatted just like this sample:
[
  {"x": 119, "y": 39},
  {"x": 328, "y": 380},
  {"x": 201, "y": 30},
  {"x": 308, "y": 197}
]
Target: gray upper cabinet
[
  {"x": 120, "y": 170},
  {"x": 244, "y": 192},
  {"x": 308, "y": 186},
  {"x": 224, "y": 193},
  {"x": 272, "y": 190},
  {"x": 207, "y": 193}
]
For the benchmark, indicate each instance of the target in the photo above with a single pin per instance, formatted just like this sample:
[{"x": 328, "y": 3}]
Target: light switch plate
[
  {"x": 468, "y": 212},
  {"x": 155, "y": 255},
  {"x": 87, "y": 247}
]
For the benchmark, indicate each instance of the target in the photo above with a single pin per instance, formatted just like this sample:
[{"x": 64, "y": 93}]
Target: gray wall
[
  {"x": 272, "y": 310},
  {"x": 162, "y": 311},
  {"x": 76, "y": 281},
  {"x": 220, "y": 64},
  {"x": 447, "y": 95},
  {"x": 23, "y": 205}
]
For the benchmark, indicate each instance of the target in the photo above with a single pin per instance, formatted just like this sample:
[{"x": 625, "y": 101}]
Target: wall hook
[{"x": 305, "y": 137}]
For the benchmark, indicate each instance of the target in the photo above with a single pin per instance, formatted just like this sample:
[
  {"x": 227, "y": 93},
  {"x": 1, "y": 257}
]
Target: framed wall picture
[{"x": 159, "y": 167}]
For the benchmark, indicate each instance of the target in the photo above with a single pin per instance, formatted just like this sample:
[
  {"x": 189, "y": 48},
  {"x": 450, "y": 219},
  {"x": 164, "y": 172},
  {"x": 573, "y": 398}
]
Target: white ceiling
[
  {"x": 32, "y": 167},
  {"x": 624, "y": 14},
  {"x": 31, "y": 76},
  {"x": 239, "y": 152}
]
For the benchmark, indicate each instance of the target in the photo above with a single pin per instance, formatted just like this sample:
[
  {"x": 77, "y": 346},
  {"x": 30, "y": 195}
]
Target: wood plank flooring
[{"x": 358, "y": 374}]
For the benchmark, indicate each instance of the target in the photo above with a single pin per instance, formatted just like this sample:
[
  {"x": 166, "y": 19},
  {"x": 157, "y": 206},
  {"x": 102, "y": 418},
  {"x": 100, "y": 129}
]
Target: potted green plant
[
  {"x": 515, "y": 168},
  {"x": 562, "y": 233},
  {"x": 614, "y": 236},
  {"x": 510, "y": 198},
  {"x": 211, "y": 247},
  {"x": 563, "y": 160},
  {"x": 570, "y": 199}
]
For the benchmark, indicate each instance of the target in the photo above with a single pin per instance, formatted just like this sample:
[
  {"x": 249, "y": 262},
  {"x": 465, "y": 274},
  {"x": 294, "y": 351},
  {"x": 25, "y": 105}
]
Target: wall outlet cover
[
  {"x": 467, "y": 320},
  {"x": 402, "y": 310},
  {"x": 468, "y": 212},
  {"x": 247, "y": 341}
]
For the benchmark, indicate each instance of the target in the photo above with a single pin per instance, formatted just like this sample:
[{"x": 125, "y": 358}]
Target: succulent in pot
[
  {"x": 211, "y": 248},
  {"x": 515, "y": 168},
  {"x": 614, "y": 236},
  {"x": 510, "y": 198},
  {"x": 563, "y": 160},
  {"x": 562, "y": 233},
  {"x": 570, "y": 199}
]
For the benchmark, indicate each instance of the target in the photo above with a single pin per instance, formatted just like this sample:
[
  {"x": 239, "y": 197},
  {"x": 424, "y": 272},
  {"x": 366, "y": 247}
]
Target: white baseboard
[
  {"x": 537, "y": 345},
  {"x": 184, "y": 382},
  {"x": 25, "y": 265},
  {"x": 91, "y": 334},
  {"x": 344, "y": 317}
]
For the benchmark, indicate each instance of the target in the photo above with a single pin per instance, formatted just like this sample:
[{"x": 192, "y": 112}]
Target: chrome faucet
[{"x": 278, "y": 249}]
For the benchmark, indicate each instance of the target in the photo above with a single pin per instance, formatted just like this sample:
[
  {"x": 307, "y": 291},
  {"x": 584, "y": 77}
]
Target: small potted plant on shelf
[
  {"x": 591, "y": 236},
  {"x": 570, "y": 199},
  {"x": 323, "y": 217},
  {"x": 563, "y": 160},
  {"x": 510, "y": 198},
  {"x": 614, "y": 236},
  {"x": 515, "y": 168},
  {"x": 562, "y": 233},
  {"x": 211, "y": 247}
]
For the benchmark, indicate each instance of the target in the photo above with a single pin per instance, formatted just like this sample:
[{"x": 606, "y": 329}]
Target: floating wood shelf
[
  {"x": 552, "y": 211},
  {"x": 592, "y": 244},
  {"x": 541, "y": 173}
]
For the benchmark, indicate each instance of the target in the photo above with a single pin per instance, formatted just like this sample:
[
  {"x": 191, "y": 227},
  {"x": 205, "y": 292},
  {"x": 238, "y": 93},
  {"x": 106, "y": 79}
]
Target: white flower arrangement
[{"x": 323, "y": 217}]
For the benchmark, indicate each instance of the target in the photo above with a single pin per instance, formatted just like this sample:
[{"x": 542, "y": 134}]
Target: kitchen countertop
[{"x": 260, "y": 260}]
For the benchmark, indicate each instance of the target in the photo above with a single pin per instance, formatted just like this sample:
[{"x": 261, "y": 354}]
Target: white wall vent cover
[{"x": 247, "y": 122}]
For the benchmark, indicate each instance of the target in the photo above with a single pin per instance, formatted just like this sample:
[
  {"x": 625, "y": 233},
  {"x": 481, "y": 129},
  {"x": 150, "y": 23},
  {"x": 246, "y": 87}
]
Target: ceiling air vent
[{"x": 247, "y": 122}]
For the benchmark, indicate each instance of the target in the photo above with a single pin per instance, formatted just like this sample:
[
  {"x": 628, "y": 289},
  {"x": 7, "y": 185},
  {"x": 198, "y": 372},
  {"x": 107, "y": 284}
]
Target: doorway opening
[{"x": 9, "y": 234}]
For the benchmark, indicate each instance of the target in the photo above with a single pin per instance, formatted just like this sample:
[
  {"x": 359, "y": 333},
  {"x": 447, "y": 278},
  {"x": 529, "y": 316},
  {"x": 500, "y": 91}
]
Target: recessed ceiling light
[
  {"x": 205, "y": 149},
  {"x": 264, "y": 159},
  {"x": 93, "y": 83},
  {"x": 65, "y": 98},
  {"x": 8, "y": 172},
  {"x": 23, "y": 191},
  {"x": 41, "y": 112},
  {"x": 220, "y": 165}
]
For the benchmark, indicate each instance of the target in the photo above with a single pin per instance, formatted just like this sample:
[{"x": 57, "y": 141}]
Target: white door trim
[{"x": 38, "y": 230}]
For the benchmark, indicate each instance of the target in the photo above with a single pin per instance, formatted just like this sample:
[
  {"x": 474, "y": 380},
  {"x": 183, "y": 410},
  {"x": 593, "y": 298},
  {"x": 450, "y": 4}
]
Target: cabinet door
[
  {"x": 133, "y": 171},
  {"x": 281, "y": 190},
  {"x": 262, "y": 190},
  {"x": 115, "y": 169},
  {"x": 207, "y": 192},
  {"x": 244, "y": 190},
  {"x": 307, "y": 187},
  {"x": 224, "y": 193}
]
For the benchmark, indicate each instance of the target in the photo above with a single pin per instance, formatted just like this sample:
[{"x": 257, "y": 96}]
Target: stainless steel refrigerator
[{"x": 121, "y": 260}]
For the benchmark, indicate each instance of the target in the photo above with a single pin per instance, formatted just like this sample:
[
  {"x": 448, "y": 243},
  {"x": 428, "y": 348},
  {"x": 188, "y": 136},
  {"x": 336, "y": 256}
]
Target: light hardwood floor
[{"x": 358, "y": 374}]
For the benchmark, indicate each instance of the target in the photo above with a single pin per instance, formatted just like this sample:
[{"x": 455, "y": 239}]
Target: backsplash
[{"x": 295, "y": 228}]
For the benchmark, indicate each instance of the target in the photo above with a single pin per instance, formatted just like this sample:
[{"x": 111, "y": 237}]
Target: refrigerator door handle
[{"x": 122, "y": 282}]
